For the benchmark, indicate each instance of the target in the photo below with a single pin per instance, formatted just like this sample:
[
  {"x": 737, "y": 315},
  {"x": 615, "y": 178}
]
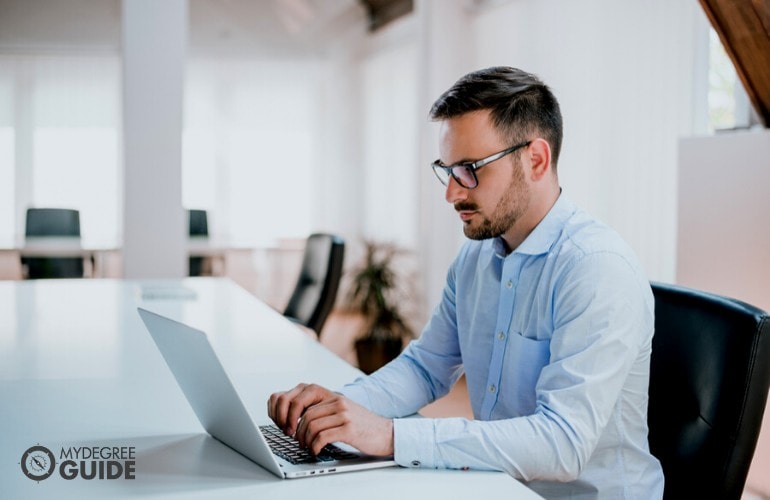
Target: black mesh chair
[
  {"x": 709, "y": 381},
  {"x": 52, "y": 222},
  {"x": 319, "y": 278},
  {"x": 198, "y": 225}
]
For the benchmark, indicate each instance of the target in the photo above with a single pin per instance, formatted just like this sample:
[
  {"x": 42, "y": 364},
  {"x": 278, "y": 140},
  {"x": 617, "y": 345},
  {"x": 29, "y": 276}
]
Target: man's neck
[{"x": 516, "y": 235}]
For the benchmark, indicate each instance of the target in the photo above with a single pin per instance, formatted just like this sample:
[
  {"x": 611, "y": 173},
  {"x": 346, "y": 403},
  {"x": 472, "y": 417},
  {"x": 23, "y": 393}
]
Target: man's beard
[{"x": 508, "y": 211}]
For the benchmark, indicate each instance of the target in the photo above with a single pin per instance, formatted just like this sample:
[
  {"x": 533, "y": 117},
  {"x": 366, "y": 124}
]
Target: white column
[
  {"x": 154, "y": 42},
  {"x": 446, "y": 49}
]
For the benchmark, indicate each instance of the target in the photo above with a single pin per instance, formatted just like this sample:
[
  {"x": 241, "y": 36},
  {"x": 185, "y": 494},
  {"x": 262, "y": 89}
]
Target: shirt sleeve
[
  {"x": 602, "y": 319},
  {"x": 424, "y": 371}
]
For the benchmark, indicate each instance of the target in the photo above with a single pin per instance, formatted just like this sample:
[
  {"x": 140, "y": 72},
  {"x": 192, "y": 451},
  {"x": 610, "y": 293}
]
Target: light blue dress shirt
[{"x": 554, "y": 339}]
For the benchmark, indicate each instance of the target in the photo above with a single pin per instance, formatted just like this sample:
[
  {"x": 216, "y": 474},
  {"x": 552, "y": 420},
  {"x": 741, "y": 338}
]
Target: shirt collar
[{"x": 545, "y": 234}]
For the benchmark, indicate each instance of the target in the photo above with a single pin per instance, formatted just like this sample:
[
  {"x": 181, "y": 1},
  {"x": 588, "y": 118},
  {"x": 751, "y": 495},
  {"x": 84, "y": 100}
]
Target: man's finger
[
  {"x": 312, "y": 414},
  {"x": 307, "y": 397},
  {"x": 322, "y": 431},
  {"x": 280, "y": 403}
]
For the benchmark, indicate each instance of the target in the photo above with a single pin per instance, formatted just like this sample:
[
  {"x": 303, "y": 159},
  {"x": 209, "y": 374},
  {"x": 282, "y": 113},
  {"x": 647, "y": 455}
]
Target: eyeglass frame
[{"x": 472, "y": 166}]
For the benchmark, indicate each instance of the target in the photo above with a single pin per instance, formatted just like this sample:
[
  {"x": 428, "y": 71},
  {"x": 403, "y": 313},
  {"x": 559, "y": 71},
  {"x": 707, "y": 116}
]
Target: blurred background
[
  {"x": 306, "y": 115},
  {"x": 280, "y": 118}
]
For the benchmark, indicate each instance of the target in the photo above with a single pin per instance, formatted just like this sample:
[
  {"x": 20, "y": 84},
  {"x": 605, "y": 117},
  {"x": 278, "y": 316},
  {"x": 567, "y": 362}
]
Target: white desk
[
  {"x": 103, "y": 257},
  {"x": 95, "y": 253},
  {"x": 77, "y": 368}
]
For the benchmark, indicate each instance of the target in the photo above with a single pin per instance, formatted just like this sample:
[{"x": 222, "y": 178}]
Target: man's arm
[
  {"x": 424, "y": 372},
  {"x": 360, "y": 413},
  {"x": 602, "y": 328}
]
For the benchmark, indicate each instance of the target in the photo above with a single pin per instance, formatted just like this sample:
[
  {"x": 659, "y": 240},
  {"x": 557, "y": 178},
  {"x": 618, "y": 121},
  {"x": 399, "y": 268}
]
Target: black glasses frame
[{"x": 443, "y": 172}]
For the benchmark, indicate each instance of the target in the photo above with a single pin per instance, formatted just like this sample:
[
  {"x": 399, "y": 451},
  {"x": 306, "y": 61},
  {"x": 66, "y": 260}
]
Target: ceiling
[
  {"x": 271, "y": 26},
  {"x": 216, "y": 26}
]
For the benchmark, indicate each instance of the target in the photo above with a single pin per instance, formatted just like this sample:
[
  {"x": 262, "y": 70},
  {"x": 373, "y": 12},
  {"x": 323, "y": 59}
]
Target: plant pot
[{"x": 374, "y": 353}]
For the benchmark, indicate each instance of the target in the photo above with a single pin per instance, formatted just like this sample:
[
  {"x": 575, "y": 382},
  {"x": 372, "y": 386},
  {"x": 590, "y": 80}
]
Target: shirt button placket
[{"x": 505, "y": 307}]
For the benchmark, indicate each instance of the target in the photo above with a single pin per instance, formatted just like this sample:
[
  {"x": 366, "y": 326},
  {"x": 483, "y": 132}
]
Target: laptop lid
[
  {"x": 208, "y": 389},
  {"x": 212, "y": 396}
]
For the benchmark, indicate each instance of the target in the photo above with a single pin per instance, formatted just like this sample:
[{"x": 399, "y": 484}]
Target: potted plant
[{"x": 373, "y": 293}]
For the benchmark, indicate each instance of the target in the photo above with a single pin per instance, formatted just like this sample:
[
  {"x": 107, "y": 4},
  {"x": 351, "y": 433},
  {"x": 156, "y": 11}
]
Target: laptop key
[{"x": 289, "y": 449}]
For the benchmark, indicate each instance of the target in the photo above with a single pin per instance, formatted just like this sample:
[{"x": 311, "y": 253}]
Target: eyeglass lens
[{"x": 462, "y": 174}]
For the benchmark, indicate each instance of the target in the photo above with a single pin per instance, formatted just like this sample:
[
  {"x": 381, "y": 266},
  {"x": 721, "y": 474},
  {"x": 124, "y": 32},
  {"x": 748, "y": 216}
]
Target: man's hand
[{"x": 316, "y": 417}]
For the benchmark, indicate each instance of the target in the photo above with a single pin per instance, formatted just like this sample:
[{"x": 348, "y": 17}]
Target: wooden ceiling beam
[{"x": 744, "y": 28}]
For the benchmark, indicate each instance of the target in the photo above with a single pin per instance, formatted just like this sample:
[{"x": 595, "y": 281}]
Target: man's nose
[{"x": 455, "y": 192}]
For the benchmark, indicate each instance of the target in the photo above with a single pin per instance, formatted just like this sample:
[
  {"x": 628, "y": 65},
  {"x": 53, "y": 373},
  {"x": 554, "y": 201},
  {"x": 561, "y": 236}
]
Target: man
[{"x": 545, "y": 310}]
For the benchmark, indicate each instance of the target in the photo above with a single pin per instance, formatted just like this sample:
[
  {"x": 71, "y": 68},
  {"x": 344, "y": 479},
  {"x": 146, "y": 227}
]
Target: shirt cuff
[{"x": 413, "y": 442}]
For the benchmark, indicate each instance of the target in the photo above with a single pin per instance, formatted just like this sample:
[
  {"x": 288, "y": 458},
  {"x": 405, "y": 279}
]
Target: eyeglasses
[{"x": 465, "y": 173}]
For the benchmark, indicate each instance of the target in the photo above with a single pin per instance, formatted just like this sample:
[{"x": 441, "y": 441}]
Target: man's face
[{"x": 503, "y": 195}]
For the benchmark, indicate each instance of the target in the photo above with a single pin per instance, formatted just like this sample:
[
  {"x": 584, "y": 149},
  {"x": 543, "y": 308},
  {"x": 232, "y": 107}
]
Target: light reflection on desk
[{"x": 59, "y": 331}]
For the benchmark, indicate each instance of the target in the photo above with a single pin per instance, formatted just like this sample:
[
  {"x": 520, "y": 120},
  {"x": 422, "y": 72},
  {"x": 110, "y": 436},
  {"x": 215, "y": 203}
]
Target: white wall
[
  {"x": 624, "y": 75},
  {"x": 724, "y": 241}
]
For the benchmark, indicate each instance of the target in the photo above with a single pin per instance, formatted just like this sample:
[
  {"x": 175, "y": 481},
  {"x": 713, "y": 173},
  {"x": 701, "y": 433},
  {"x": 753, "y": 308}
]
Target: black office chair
[
  {"x": 198, "y": 222},
  {"x": 709, "y": 381},
  {"x": 316, "y": 289},
  {"x": 52, "y": 222},
  {"x": 198, "y": 226}
]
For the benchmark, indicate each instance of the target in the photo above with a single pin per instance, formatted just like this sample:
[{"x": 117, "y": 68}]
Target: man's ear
[{"x": 539, "y": 152}]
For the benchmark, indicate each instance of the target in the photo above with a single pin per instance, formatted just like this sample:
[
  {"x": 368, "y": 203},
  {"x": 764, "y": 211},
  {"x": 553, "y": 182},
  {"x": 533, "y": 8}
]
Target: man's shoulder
[
  {"x": 589, "y": 248},
  {"x": 584, "y": 235}
]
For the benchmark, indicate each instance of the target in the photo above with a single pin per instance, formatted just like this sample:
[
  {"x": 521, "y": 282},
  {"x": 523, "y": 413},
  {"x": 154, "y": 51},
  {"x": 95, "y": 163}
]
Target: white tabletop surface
[
  {"x": 78, "y": 368},
  {"x": 68, "y": 246},
  {"x": 56, "y": 246}
]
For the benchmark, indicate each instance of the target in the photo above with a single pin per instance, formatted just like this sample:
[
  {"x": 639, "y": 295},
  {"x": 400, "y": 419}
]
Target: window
[
  {"x": 248, "y": 147},
  {"x": 7, "y": 211},
  {"x": 7, "y": 154},
  {"x": 61, "y": 139},
  {"x": 728, "y": 103}
]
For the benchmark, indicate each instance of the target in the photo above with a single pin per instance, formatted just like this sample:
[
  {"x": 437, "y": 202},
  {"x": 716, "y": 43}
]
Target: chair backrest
[
  {"x": 198, "y": 226},
  {"x": 709, "y": 381},
  {"x": 319, "y": 278},
  {"x": 52, "y": 222},
  {"x": 198, "y": 223}
]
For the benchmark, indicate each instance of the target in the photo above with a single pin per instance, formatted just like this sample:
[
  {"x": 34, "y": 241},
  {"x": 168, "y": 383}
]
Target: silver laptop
[{"x": 200, "y": 374}]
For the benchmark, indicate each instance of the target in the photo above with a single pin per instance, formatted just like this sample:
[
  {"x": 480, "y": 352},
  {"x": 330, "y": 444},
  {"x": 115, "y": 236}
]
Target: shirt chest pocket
[{"x": 523, "y": 361}]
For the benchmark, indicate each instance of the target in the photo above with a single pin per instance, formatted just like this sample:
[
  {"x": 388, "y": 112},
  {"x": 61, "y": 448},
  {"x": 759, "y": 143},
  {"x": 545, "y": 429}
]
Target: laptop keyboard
[{"x": 289, "y": 449}]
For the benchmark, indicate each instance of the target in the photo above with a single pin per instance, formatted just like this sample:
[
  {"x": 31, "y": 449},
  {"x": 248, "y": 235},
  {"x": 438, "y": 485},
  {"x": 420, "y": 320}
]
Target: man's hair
[{"x": 522, "y": 107}]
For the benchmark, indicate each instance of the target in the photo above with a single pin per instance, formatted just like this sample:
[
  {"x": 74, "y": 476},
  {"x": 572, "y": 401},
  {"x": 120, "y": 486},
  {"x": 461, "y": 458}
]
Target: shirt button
[
  {"x": 501, "y": 335},
  {"x": 492, "y": 389},
  {"x": 509, "y": 284},
  {"x": 415, "y": 463}
]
